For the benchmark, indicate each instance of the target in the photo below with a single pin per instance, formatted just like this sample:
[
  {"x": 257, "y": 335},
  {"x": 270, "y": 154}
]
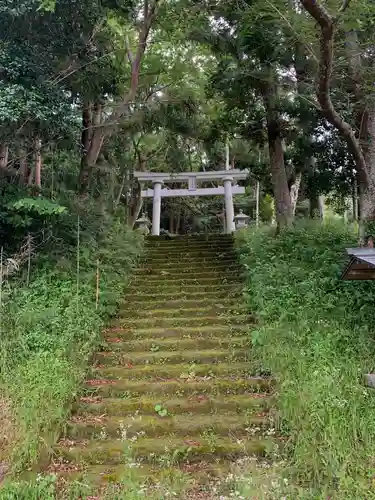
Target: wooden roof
[{"x": 361, "y": 265}]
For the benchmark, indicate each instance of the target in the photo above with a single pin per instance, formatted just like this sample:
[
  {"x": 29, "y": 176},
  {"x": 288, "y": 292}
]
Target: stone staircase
[{"x": 173, "y": 386}]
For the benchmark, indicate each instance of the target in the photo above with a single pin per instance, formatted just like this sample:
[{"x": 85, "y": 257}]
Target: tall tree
[
  {"x": 359, "y": 129},
  {"x": 253, "y": 57}
]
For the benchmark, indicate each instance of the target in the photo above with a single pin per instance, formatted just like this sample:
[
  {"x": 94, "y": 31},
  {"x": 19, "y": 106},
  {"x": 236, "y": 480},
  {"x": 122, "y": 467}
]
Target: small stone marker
[{"x": 370, "y": 380}]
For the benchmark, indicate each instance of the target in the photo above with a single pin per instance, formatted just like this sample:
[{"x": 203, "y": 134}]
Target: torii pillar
[
  {"x": 229, "y": 209},
  {"x": 156, "y": 207}
]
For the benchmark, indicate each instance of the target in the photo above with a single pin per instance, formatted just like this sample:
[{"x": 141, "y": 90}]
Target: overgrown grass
[
  {"x": 132, "y": 487},
  {"x": 315, "y": 334},
  {"x": 49, "y": 329}
]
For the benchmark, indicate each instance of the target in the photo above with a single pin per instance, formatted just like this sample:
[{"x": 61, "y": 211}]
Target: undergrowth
[
  {"x": 315, "y": 334},
  {"x": 50, "y": 327}
]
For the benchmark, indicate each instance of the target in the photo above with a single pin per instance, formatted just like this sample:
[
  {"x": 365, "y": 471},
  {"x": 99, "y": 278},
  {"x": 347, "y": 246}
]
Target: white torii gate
[{"x": 192, "y": 178}]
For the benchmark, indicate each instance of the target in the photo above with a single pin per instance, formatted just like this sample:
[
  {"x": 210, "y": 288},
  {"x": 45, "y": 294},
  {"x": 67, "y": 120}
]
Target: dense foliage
[
  {"x": 90, "y": 92},
  {"x": 315, "y": 335},
  {"x": 51, "y": 318}
]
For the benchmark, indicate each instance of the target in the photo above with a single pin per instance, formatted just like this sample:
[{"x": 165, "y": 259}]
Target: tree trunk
[
  {"x": 316, "y": 207},
  {"x": 171, "y": 221},
  {"x": 102, "y": 128},
  {"x": 368, "y": 208},
  {"x": 283, "y": 204},
  {"x": 178, "y": 221},
  {"x": 86, "y": 131},
  {"x": 362, "y": 145},
  {"x": 92, "y": 141},
  {"x": 355, "y": 199},
  {"x": 294, "y": 191},
  {"x": 4, "y": 155},
  {"x": 38, "y": 162},
  {"x": 135, "y": 205},
  {"x": 24, "y": 167}
]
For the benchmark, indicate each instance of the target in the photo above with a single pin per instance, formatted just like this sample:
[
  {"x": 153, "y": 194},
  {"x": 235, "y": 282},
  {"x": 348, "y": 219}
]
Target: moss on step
[
  {"x": 177, "y": 403},
  {"x": 182, "y": 311},
  {"x": 169, "y": 450},
  {"x": 113, "y": 427},
  {"x": 172, "y": 371},
  {"x": 172, "y": 344},
  {"x": 181, "y": 272},
  {"x": 183, "y": 386},
  {"x": 136, "y": 359},
  {"x": 184, "y": 295},
  {"x": 207, "y": 302},
  {"x": 187, "y": 321},
  {"x": 99, "y": 475},
  {"x": 181, "y": 267},
  {"x": 173, "y": 261},
  {"x": 168, "y": 289},
  {"x": 178, "y": 332},
  {"x": 170, "y": 281}
]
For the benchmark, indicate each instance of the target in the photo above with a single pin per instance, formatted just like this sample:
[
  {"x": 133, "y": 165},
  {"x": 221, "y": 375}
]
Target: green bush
[
  {"x": 315, "y": 335},
  {"x": 50, "y": 327}
]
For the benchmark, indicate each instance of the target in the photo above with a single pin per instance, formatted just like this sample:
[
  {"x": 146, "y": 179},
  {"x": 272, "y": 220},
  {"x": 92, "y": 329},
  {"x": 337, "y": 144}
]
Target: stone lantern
[
  {"x": 241, "y": 220},
  {"x": 143, "y": 224}
]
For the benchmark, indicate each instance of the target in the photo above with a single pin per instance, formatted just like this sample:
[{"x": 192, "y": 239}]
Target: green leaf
[
  {"x": 158, "y": 408},
  {"x": 47, "y": 5}
]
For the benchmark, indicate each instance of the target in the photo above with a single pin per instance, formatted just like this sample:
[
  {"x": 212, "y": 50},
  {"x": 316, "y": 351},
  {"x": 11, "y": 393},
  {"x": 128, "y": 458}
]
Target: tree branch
[
  {"x": 327, "y": 27},
  {"x": 149, "y": 13},
  {"x": 344, "y": 6},
  {"x": 129, "y": 51}
]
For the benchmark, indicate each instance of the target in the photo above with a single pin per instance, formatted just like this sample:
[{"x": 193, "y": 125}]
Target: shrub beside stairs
[{"x": 173, "y": 386}]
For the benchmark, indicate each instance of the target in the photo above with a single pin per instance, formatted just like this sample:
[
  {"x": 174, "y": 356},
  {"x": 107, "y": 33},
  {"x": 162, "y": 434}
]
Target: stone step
[
  {"x": 166, "y": 289},
  {"x": 171, "y": 449},
  {"x": 183, "y": 240},
  {"x": 171, "y": 344},
  {"x": 182, "y": 247},
  {"x": 175, "y": 321},
  {"x": 190, "y": 237},
  {"x": 181, "y": 273},
  {"x": 184, "y": 387},
  {"x": 118, "y": 359},
  {"x": 184, "y": 250},
  {"x": 224, "y": 292},
  {"x": 199, "y": 274},
  {"x": 131, "y": 309},
  {"x": 196, "y": 403},
  {"x": 161, "y": 283},
  {"x": 184, "y": 266},
  {"x": 152, "y": 474},
  {"x": 212, "y": 331},
  {"x": 206, "y": 302},
  {"x": 101, "y": 427},
  {"x": 201, "y": 475},
  {"x": 168, "y": 371},
  {"x": 190, "y": 256}
]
